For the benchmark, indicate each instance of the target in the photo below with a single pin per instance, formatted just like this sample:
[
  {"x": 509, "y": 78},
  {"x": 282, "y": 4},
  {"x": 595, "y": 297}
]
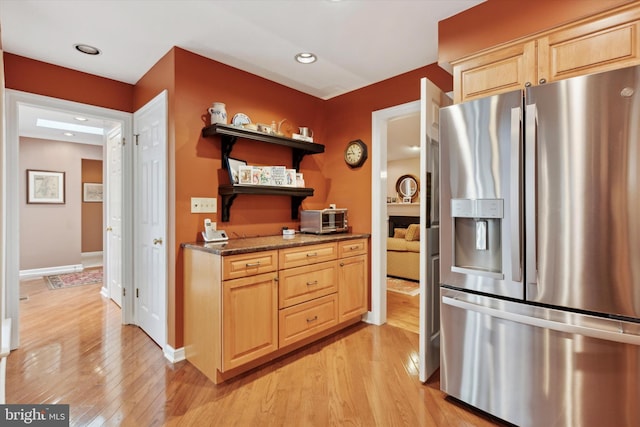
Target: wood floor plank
[{"x": 74, "y": 350}]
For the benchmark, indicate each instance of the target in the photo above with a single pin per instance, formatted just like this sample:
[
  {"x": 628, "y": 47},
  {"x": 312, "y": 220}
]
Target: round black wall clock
[{"x": 355, "y": 154}]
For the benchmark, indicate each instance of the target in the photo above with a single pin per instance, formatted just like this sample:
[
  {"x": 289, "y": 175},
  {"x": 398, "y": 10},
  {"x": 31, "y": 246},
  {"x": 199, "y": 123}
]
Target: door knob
[{"x": 157, "y": 241}]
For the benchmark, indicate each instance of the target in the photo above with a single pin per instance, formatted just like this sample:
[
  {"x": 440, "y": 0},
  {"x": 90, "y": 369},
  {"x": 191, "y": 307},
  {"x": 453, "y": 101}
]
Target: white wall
[
  {"x": 397, "y": 168},
  {"x": 51, "y": 235}
]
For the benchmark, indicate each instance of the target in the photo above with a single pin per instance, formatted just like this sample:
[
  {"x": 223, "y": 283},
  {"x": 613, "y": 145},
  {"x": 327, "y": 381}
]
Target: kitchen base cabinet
[
  {"x": 249, "y": 319},
  {"x": 245, "y": 309},
  {"x": 352, "y": 294},
  {"x": 353, "y": 277}
]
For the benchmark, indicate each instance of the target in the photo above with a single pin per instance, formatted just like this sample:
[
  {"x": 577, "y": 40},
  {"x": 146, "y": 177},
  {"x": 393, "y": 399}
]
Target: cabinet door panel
[
  {"x": 495, "y": 72},
  {"x": 572, "y": 52},
  {"x": 302, "y": 284},
  {"x": 352, "y": 287},
  {"x": 249, "y": 318}
]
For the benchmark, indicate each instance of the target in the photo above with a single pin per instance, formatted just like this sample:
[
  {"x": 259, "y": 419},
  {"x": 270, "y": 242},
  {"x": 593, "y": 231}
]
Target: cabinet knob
[
  {"x": 527, "y": 84},
  {"x": 542, "y": 81},
  {"x": 342, "y": 264}
]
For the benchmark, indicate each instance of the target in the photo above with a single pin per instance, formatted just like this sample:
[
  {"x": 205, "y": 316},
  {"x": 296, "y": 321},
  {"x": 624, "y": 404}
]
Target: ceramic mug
[{"x": 306, "y": 132}]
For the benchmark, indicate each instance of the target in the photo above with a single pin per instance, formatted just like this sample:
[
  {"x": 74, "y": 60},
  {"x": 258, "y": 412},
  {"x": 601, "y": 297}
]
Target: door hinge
[
  {"x": 124, "y": 141},
  {"x": 137, "y": 293},
  {"x": 124, "y": 292},
  {"x": 137, "y": 135}
]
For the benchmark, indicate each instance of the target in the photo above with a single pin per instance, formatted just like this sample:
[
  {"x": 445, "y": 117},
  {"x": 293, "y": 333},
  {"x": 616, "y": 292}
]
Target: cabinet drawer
[
  {"x": 235, "y": 266},
  {"x": 307, "y": 255},
  {"x": 303, "y": 320},
  {"x": 352, "y": 248},
  {"x": 302, "y": 284}
]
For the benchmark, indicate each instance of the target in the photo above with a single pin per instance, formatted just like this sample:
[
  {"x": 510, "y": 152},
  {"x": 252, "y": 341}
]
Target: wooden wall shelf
[
  {"x": 230, "y": 134},
  {"x": 230, "y": 192}
]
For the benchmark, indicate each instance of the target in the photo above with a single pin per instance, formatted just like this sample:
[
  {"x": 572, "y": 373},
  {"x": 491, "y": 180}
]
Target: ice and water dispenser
[{"x": 477, "y": 247}]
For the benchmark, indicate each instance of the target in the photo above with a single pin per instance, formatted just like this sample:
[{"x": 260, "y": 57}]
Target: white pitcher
[
  {"x": 218, "y": 113},
  {"x": 304, "y": 131}
]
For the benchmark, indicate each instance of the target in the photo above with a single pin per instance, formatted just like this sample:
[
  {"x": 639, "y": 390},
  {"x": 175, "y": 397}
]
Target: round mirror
[{"x": 407, "y": 187}]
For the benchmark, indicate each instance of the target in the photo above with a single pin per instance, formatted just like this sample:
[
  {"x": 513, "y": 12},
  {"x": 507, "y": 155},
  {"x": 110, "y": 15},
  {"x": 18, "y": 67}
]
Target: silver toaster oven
[{"x": 323, "y": 221}]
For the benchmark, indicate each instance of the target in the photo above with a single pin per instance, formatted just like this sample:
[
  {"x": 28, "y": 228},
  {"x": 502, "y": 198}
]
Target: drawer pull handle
[
  {"x": 315, "y": 282},
  {"x": 313, "y": 319},
  {"x": 312, "y": 254},
  {"x": 353, "y": 248},
  {"x": 252, "y": 264}
]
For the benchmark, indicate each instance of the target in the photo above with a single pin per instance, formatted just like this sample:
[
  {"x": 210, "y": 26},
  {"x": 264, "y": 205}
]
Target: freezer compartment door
[
  {"x": 534, "y": 366},
  {"x": 480, "y": 185}
]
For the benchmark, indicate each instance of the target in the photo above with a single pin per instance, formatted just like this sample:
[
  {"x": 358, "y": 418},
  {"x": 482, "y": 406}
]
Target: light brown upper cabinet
[{"x": 603, "y": 42}]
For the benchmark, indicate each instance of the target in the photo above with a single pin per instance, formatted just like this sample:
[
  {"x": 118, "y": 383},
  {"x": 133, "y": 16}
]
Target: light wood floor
[
  {"x": 403, "y": 311},
  {"x": 74, "y": 350}
]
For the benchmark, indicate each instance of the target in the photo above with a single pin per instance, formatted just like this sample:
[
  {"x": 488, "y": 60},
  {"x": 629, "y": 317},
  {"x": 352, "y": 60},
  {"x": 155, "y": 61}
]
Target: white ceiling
[{"x": 358, "y": 42}]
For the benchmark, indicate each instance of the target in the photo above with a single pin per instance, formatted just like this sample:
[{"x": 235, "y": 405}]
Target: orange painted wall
[
  {"x": 29, "y": 75},
  {"x": 348, "y": 118},
  {"x": 497, "y": 21},
  {"x": 194, "y": 83}
]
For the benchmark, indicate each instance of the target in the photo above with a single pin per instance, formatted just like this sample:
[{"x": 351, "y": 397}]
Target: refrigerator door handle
[
  {"x": 516, "y": 248},
  {"x": 531, "y": 130},
  {"x": 620, "y": 336}
]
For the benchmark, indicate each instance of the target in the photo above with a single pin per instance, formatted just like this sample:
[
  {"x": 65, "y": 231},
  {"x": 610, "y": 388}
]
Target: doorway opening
[{"x": 18, "y": 105}]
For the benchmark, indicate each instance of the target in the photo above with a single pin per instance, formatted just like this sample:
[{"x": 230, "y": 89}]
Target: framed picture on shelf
[
  {"x": 233, "y": 166},
  {"x": 45, "y": 187},
  {"x": 92, "y": 192},
  {"x": 245, "y": 175}
]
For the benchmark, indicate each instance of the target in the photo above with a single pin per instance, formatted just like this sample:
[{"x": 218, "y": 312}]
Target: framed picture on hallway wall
[
  {"x": 92, "y": 192},
  {"x": 45, "y": 187}
]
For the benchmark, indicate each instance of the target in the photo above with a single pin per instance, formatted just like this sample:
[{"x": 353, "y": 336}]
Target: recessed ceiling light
[
  {"x": 306, "y": 58},
  {"x": 68, "y": 134},
  {"x": 81, "y": 119},
  {"x": 85, "y": 48}
]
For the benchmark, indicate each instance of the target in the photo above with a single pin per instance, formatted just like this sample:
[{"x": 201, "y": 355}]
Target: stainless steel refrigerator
[{"x": 540, "y": 252}]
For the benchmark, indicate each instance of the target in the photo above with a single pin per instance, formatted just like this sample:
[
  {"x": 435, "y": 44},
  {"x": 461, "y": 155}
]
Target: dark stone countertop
[{"x": 267, "y": 243}]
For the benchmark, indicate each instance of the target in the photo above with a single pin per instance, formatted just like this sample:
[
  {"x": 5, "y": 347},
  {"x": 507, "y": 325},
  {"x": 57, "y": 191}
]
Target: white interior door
[
  {"x": 150, "y": 218},
  {"x": 113, "y": 206},
  {"x": 431, "y": 99}
]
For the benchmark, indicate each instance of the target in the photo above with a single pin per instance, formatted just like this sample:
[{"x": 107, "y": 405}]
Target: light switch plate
[{"x": 204, "y": 205}]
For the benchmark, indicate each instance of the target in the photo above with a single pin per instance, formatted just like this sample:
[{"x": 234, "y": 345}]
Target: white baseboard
[
  {"x": 49, "y": 271},
  {"x": 174, "y": 355},
  {"x": 90, "y": 254}
]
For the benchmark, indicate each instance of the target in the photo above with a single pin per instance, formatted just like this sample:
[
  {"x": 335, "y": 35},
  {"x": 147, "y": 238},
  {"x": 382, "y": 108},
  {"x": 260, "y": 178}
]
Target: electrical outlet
[{"x": 204, "y": 205}]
